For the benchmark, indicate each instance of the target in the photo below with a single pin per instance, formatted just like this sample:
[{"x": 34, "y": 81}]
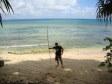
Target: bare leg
[
  {"x": 57, "y": 61},
  {"x": 61, "y": 62}
]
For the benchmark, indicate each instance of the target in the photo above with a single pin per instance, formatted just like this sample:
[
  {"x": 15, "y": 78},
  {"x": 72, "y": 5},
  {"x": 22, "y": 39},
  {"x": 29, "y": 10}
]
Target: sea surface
[{"x": 19, "y": 35}]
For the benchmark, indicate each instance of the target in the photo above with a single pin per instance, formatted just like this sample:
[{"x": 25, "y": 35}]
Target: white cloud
[{"x": 50, "y": 9}]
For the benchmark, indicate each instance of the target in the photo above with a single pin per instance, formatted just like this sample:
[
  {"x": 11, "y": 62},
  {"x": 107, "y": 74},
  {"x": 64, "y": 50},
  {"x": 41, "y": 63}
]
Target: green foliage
[
  {"x": 108, "y": 57},
  {"x": 109, "y": 46},
  {"x": 102, "y": 64}
]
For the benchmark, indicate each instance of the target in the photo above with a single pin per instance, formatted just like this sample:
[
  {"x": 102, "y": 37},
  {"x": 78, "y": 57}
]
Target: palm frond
[
  {"x": 104, "y": 10},
  {"x": 1, "y": 20},
  {"x": 5, "y": 5}
]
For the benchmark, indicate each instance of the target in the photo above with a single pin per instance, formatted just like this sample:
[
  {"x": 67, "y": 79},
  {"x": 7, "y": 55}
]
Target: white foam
[{"x": 21, "y": 46}]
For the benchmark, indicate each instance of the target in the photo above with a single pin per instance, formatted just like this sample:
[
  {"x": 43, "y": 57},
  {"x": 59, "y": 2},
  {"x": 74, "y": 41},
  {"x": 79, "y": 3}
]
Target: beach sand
[{"x": 80, "y": 67}]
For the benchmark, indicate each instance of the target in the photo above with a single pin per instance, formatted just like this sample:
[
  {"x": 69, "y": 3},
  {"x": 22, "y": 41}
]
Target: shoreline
[
  {"x": 42, "y": 50},
  {"x": 80, "y": 54}
]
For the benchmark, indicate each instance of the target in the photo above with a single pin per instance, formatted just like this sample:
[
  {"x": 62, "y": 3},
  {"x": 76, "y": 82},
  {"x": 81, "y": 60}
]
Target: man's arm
[{"x": 51, "y": 48}]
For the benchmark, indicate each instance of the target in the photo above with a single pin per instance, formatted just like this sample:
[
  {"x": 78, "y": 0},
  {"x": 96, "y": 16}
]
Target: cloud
[{"x": 50, "y": 9}]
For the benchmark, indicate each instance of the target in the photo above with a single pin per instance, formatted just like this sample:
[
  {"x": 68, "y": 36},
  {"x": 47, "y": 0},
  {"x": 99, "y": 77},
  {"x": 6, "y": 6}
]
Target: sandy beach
[{"x": 81, "y": 67}]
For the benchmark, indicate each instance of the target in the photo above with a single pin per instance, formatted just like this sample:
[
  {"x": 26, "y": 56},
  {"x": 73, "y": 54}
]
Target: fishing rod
[{"x": 48, "y": 42}]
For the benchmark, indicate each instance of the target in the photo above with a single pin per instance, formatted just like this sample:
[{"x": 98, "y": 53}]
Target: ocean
[{"x": 31, "y": 34}]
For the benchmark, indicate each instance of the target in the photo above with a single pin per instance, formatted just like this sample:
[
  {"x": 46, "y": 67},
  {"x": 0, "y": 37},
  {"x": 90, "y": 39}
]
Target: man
[{"x": 58, "y": 54}]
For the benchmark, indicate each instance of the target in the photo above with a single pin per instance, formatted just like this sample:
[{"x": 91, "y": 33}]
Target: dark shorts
[{"x": 57, "y": 56}]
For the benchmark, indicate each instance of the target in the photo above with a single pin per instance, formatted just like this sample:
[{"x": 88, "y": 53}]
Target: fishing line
[{"x": 48, "y": 42}]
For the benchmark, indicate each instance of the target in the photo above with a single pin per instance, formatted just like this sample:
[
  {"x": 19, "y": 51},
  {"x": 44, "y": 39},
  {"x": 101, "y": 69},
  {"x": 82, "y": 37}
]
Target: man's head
[{"x": 56, "y": 44}]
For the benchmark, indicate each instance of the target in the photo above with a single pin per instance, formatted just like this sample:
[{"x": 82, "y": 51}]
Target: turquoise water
[{"x": 70, "y": 33}]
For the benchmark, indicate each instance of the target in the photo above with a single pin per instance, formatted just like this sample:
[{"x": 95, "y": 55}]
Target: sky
[{"x": 34, "y": 9}]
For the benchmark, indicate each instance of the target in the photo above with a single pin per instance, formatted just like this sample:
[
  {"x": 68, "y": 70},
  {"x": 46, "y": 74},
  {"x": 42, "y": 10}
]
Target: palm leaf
[
  {"x": 5, "y": 5},
  {"x": 104, "y": 10},
  {"x": 1, "y": 20}
]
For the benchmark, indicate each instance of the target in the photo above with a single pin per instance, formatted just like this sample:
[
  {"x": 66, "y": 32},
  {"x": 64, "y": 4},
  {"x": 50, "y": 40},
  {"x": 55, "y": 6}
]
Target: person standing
[{"x": 58, "y": 54}]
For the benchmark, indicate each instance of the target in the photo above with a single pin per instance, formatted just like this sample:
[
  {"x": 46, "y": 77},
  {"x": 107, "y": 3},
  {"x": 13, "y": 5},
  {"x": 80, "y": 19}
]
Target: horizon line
[{"x": 51, "y": 19}]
